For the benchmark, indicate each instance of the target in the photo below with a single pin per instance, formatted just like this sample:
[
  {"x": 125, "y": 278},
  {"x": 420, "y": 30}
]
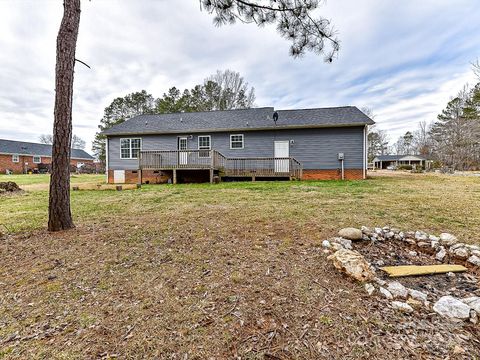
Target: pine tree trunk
[{"x": 59, "y": 213}]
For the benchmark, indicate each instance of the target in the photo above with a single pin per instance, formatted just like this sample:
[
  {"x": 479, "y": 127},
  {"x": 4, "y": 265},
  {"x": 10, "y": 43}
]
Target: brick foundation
[
  {"x": 148, "y": 176},
  {"x": 334, "y": 174},
  {"x": 186, "y": 176}
]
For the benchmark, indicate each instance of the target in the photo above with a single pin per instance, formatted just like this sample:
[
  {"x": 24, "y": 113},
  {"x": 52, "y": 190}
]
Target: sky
[{"x": 402, "y": 59}]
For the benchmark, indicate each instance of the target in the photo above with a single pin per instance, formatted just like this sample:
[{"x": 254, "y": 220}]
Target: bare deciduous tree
[
  {"x": 233, "y": 91},
  {"x": 78, "y": 142},
  {"x": 46, "y": 139}
]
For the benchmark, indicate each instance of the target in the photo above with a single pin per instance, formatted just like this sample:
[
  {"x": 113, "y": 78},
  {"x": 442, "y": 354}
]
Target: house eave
[{"x": 206, "y": 131}]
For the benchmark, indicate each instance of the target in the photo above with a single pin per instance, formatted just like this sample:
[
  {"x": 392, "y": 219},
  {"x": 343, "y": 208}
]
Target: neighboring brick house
[
  {"x": 22, "y": 157},
  {"x": 310, "y": 144}
]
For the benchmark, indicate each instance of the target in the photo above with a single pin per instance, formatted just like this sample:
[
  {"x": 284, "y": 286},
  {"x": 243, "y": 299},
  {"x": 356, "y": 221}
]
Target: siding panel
[{"x": 314, "y": 148}]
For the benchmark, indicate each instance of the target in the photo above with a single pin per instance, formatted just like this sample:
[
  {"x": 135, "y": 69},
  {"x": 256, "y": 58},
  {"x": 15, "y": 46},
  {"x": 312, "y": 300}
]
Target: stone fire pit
[{"x": 361, "y": 253}]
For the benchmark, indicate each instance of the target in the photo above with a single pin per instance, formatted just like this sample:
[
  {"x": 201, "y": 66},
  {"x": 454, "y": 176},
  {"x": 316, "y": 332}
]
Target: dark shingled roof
[
  {"x": 241, "y": 120},
  {"x": 396, "y": 157},
  {"x": 27, "y": 148}
]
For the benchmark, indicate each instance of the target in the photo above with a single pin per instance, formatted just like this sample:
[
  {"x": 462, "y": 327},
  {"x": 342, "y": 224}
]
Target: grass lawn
[{"x": 200, "y": 270}]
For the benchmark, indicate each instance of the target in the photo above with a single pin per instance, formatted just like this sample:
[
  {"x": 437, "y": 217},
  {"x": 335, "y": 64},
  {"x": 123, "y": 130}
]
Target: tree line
[
  {"x": 452, "y": 140},
  {"x": 224, "y": 90}
]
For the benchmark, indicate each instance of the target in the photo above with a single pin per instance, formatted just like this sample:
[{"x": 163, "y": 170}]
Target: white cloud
[{"x": 404, "y": 61}]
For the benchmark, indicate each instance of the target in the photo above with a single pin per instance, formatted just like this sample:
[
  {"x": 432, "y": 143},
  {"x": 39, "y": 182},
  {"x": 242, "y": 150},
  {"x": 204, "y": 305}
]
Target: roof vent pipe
[{"x": 275, "y": 117}]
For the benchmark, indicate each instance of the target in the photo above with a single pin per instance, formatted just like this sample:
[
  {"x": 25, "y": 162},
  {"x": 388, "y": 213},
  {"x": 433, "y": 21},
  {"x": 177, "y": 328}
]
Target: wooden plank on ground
[{"x": 413, "y": 270}]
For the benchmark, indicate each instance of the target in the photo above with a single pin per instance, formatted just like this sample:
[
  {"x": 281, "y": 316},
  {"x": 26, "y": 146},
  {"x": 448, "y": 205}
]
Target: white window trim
[
  {"x": 37, "y": 162},
  {"x": 130, "y": 148},
  {"x": 209, "y": 145},
  {"x": 15, "y": 158},
  {"x": 243, "y": 142}
]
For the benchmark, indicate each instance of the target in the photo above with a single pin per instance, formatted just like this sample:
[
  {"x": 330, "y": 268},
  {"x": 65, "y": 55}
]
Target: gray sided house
[{"x": 322, "y": 143}]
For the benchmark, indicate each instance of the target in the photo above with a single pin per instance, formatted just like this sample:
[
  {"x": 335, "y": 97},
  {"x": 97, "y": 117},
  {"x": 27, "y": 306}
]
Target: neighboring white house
[{"x": 384, "y": 161}]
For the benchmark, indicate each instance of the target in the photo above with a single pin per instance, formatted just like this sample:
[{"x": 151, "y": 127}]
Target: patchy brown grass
[{"x": 235, "y": 270}]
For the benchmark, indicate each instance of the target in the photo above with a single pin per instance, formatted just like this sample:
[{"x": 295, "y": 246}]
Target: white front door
[
  {"x": 282, "y": 151},
  {"x": 119, "y": 176},
  {"x": 182, "y": 155}
]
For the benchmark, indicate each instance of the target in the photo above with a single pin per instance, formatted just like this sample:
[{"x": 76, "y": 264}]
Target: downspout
[
  {"x": 365, "y": 152},
  {"x": 106, "y": 158}
]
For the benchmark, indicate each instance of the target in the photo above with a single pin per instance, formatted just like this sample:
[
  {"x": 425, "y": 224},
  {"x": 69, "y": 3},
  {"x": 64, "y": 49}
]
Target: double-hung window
[
  {"x": 236, "y": 141},
  {"x": 37, "y": 159},
  {"x": 204, "y": 145},
  {"x": 130, "y": 148},
  {"x": 15, "y": 158}
]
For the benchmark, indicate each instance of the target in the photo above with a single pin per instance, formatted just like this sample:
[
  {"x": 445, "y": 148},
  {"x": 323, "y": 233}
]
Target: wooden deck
[{"x": 215, "y": 162}]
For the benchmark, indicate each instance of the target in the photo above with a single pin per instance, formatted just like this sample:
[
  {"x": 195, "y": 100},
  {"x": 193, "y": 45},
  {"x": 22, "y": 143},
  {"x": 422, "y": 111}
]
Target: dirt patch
[{"x": 196, "y": 288}]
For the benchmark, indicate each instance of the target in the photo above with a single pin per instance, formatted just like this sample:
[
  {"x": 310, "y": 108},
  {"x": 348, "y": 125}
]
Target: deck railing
[
  {"x": 212, "y": 159},
  {"x": 265, "y": 166}
]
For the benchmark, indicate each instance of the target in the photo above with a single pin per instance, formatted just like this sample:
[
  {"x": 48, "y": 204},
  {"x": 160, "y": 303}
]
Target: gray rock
[
  {"x": 418, "y": 295},
  {"x": 473, "y": 302},
  {"x": 476, "y": 253},
  {"x": 456, "y": 246},
  {"x": 380, "y": 263},
  {"x": 473, "y": 316},
  {"x": 326, "y": 244},
  {"x": 412, "y": 253},
  {"x": 380, "y": 281},
  {"x": 369, "y": 288},
  {"x": 410, "y": 234},
  {"x": 433, "y": 238},
  {"x": 401, "y": 306},
  {"x": 423, "y": 244},
  {"x": 452, "y": 308},
  {"x": 435, "y": 245},
  {"x": 440, "y": 256},
  {"x": 366, "y": 230},
  {"x": 397, "y": 290},
  {"x": 448, "y": 239},
  {"x": 474, "y": 259},
  {"x": 389, "y": 235},
  {"x": 461, "y": 253},
  {"x": 378, "y": 231},
  {"x": 386, "y": 293},
  {"x": 410, "y": 241},
  {"x": 451, "y": 274},
  {"x": 347, "y": 244},
  {"x": 421, "y": 236},
  {"x": 350, "y": 233}
]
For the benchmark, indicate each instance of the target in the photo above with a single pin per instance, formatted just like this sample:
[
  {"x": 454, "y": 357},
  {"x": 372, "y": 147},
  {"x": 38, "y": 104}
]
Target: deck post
[
  {"x": 139, "y": 177},
  {"x": 174, "y": 176},
  {"x": 253, "y": 178},
  {"x": 211, "y": 175}
]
